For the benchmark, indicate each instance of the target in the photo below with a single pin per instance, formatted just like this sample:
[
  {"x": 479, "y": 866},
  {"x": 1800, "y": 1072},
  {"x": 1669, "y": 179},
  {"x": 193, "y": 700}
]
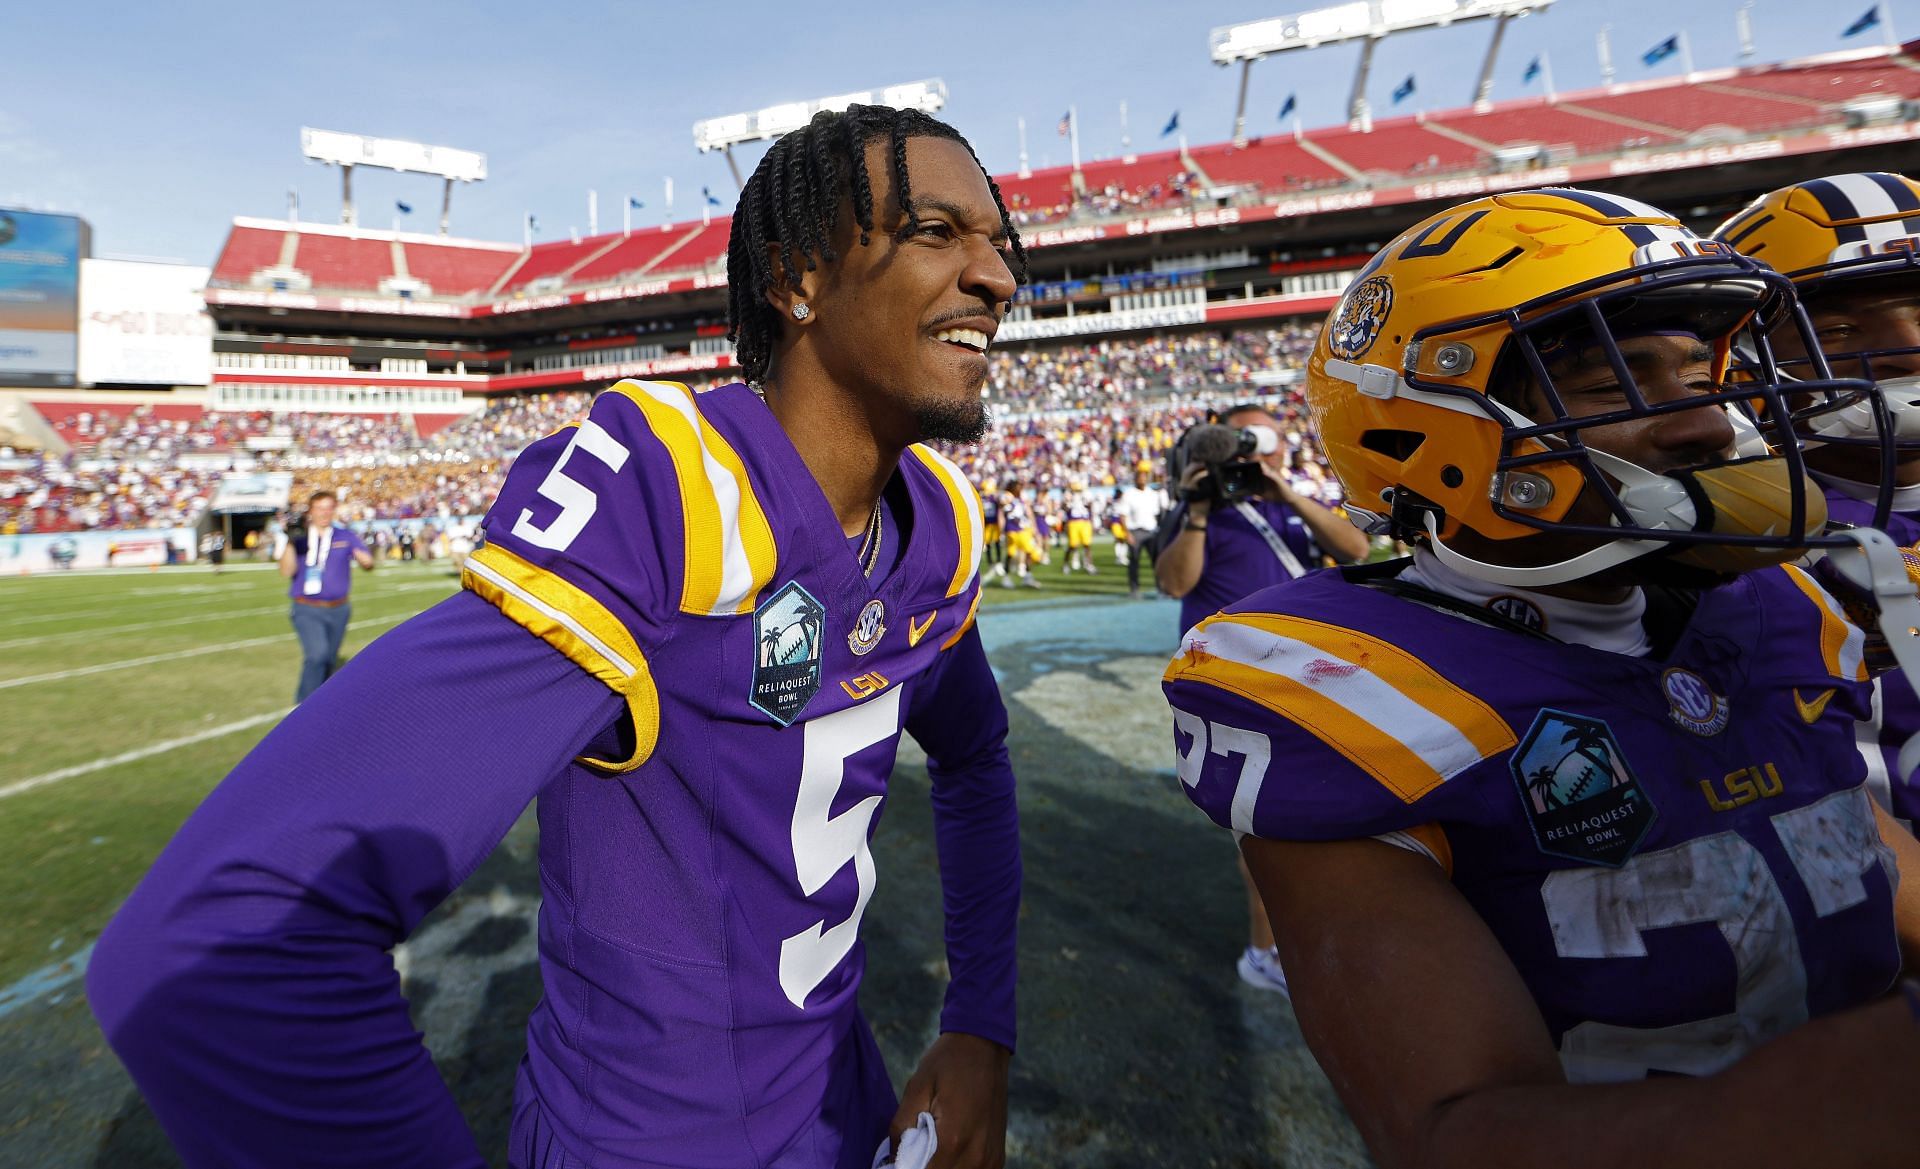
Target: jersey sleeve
[
  {"x": 1290, "y": 728},
  {"x": 608, "y": 529}
]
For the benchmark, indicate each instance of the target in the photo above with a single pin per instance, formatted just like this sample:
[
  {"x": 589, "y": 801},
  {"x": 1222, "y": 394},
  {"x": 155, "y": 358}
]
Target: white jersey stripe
[
  {"x": 1362, "y": 693},
  {"x": 481, "y": 569}
]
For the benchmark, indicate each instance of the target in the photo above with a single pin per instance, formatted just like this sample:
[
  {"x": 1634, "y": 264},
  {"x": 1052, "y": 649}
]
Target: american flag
[{"x": 1066, "y": 124}]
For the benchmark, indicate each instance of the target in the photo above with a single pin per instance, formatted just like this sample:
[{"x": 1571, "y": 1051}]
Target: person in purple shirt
[
  {"x": 1851, "y": 245},
  {"x": 1217, "y": 555},
  {"x": 1561, "y": 821},
  {"x": 696, "y": 631},
  {"x": 318, "y": 562}
]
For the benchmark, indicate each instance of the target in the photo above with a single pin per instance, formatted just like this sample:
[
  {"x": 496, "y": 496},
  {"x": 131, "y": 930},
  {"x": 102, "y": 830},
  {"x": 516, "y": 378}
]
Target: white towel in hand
[{"x": 917, "y": 1146}]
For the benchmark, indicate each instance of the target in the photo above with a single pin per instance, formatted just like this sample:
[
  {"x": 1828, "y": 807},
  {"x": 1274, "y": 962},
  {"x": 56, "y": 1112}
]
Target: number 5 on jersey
[
  {"x": 577, "y": 501},
  {"x": 823, "y": 843}
]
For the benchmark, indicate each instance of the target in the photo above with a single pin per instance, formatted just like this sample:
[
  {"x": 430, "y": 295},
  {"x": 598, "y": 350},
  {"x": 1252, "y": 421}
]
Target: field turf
[{"x": 126, "y": 695}]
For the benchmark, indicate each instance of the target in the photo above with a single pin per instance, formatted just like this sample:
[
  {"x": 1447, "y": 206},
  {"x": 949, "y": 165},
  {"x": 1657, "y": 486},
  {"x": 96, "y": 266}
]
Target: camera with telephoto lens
[{"x": 1229, "y": 454}]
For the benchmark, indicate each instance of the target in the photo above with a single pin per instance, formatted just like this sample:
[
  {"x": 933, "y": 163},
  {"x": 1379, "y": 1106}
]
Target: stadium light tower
[
  {"x": 1367, "y": 21},
  {"x": 347, "y": 151},
  {"x": 723, "y": 134}
]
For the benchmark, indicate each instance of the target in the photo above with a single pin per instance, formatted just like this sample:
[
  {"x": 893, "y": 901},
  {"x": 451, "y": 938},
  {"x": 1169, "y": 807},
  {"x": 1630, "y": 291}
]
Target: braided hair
[{"x": 793, "y": 201}]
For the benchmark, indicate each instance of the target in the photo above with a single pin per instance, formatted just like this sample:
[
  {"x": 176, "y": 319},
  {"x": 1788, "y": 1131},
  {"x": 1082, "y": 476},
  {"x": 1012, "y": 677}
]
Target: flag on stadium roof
[
  {"x": 1533, "y": 70},
  {"x": 711, "y": 201},
  {"x": 403, "y": 207},
  {"x": 1173, "y": 124},
  {"x": 634, "y": 201},
  {"x": 1404, "y": 90},
  {"x": 1867, "y": 20},
  {"x": 533, "y": 223},
  {"x": 1661, "y": 51},
  {"x": 1066, "y": 124},
  {"x": 1287, "y": 107}
]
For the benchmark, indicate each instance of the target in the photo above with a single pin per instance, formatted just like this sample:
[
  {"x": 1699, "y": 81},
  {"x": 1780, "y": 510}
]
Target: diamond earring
[{"x": 801, "y": 312}]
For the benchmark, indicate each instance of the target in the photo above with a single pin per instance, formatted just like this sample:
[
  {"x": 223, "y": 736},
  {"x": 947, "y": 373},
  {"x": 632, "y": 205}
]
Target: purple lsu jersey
[
  {"x": 1678, "y": 854},
  {"x": 1895, "y": 715},
  {"x": 704, "y": 886}
]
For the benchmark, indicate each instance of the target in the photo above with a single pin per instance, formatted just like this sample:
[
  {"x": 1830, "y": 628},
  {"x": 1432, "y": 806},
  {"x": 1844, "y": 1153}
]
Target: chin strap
[{"x": 1875, "y": 567}]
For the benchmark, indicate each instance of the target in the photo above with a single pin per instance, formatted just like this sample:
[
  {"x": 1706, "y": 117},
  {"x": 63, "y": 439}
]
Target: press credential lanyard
[
  {"x": 1281, "y": 552},
  {"x": 318, "y": 546}
]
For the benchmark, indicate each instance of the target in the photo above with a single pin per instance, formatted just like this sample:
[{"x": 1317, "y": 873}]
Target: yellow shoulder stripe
[
  {"x": 966, "y": 623},
  {"x": 1842, "y": 645},
  {"x": 1390, "y": 713},
  {"x": 729, "y": 543},
  {"x": 966, "y": 514},
  {"x": 580, "y": 627}
]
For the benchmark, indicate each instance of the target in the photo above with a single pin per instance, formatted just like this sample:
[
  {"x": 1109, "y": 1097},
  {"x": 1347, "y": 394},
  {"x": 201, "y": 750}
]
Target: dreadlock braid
[{"x": 794, "y": 199}]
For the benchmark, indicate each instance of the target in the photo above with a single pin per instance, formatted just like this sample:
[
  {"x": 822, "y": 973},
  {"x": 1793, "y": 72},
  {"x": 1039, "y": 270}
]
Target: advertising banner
[
  {"x": 66, "y": 551},
  {"x": 39, "y": 297},
  {"x": 144, "y": 324}
]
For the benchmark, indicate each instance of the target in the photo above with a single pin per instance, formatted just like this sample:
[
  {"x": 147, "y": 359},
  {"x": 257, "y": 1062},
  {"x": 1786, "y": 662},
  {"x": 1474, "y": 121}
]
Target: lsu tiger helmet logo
[{"x": 1360, "y": 316}]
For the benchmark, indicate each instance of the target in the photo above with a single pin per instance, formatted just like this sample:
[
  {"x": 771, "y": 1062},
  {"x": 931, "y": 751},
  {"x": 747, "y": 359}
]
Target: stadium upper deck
[
  {"x": 1581, "y": 136},
  {"x": 314, "y": 316}
]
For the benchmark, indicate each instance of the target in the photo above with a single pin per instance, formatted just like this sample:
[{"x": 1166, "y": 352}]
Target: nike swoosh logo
[
  {"x": 918, "y": 629},
  {"x": 1810, "y": 712}
]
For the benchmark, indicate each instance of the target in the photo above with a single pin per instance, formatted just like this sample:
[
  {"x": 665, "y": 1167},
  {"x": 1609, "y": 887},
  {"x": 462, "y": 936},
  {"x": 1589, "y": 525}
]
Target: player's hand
[{"x": 962, "y": 1081}]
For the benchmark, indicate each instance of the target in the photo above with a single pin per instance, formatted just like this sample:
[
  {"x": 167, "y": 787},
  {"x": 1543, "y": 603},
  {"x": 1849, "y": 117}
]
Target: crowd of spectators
[
  {"x": 1111, "y": 199},
  {"x": 1087, "y": 413}
]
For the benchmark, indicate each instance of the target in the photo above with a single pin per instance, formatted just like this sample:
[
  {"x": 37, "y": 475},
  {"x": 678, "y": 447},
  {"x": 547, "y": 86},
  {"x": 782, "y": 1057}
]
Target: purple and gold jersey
[
  {"x": 1895, "y": 716},
  {"x": 704, "y": 886},
  {"x": 1677, "y": 851}
]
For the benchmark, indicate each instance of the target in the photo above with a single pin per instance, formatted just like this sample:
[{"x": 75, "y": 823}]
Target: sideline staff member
[
  {"x": 320, "y": 563},
  {"x": 1216, "y": 558}
]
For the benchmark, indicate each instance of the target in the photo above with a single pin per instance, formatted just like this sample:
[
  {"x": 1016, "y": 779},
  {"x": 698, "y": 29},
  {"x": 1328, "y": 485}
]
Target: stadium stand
[
  {"x": 1274, "y": 164},
  {"x": 1696, "y": 107},
  {"x": 452, "y": 270},
  {"x": 1404, "y": 146},
  {"x": 1543, "y": 123},
  {"x": 333, "y": 261},
  {"x": 248, "y": 250}
]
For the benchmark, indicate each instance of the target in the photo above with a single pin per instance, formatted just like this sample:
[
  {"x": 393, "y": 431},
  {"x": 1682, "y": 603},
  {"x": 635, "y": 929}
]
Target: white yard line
[
  {"x": 151, "y": 659},
  {"x": 40, "y": 638},
  {"x": 160, "y": 748}
]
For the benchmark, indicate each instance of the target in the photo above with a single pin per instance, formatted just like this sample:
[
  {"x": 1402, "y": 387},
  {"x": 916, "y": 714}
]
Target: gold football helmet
[{"x": 1411, "y": 385}]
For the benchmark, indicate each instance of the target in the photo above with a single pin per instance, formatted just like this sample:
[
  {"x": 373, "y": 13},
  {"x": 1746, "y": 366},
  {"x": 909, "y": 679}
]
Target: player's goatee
[{"x": 961, "y": 422}]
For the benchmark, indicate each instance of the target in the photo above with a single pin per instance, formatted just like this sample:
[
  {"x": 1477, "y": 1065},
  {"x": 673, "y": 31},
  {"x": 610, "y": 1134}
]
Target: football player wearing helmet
[
  {"x": 1851, "y": 245},
  {"x": 697, "y": 629},
  {"x": 1567, "y": 804}
]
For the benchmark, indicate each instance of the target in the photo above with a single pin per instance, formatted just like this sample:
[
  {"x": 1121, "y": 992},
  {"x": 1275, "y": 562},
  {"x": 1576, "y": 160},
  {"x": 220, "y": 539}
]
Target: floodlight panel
[
  {"x": 341, "y": 149},
  {"x": 772, "y": 122},
  {"x": 1350, "y": 21}
]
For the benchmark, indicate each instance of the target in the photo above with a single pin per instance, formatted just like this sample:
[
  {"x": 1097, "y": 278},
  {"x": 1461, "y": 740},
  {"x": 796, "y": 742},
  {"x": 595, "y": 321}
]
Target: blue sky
[{"x": 159, "y": 123}]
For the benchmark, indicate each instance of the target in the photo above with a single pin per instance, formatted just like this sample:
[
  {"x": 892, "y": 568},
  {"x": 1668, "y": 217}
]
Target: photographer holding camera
[
  {"x": 1239, "y": 527},
  {"x": 319, "y": 559}
]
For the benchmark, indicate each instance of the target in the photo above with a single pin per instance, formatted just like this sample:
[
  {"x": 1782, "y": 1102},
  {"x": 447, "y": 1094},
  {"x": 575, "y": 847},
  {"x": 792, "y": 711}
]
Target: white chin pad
[{"x": 1902, "y": 396}]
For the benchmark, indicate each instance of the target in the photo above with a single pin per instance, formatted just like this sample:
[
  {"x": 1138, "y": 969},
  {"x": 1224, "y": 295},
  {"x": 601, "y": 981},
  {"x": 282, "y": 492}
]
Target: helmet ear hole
[{"x": 1397, "y": 445}]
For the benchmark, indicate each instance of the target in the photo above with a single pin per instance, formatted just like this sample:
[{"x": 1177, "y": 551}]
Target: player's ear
[{"x": 784, "y": 295}]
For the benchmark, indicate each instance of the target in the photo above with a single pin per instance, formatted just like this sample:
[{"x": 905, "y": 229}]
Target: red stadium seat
[
  {"x": 344, "y": 262},
  {"x": 451, "y": 270}
]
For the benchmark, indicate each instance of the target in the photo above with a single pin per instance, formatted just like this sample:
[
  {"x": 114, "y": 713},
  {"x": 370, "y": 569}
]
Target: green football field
[{"x": 126, "y": 696}]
